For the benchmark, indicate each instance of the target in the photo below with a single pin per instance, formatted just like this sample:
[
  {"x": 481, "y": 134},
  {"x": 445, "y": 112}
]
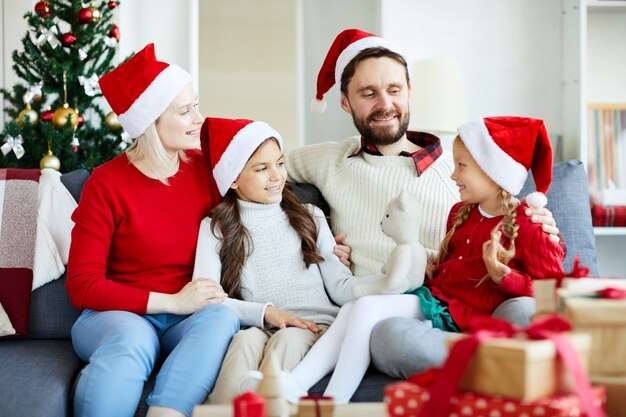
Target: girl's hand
[
  {"x": 195, "y": 295},
  {"x": 496, "y": 269},
  {"x": 430, "y": 270},
  {"x": 544, "y": 217},
  {"x": 276, "y": 317},
  {"x": 342, "y": 251}
]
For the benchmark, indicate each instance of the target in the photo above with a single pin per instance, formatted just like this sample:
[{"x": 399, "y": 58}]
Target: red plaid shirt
[
  {"x": 423, "y": 158},
  {"x": 608, "y": 216}
]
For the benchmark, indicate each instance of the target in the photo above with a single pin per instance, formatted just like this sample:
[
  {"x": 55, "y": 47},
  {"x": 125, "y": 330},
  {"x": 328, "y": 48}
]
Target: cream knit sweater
[{"x": 358, "y": 189}]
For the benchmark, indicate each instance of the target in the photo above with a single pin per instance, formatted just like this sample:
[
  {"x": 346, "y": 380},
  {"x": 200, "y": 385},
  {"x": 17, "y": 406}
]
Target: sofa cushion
[
  {"x": 52, "y": 315},
  {"x": 568, "y": 200},
  {"x": 74, "y": 181},
  {"x": 36, "y": 377}
]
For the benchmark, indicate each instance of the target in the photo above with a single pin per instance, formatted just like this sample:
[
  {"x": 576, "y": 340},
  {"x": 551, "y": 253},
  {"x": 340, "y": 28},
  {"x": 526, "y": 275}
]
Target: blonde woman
[{"x": 132, "y": 254}]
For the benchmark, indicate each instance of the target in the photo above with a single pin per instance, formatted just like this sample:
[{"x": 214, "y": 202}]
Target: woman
[{"x": 132, "y": 254}]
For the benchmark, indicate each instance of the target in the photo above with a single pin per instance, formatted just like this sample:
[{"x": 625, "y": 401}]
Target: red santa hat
[
  {"x": 140, "y": 89},
  {"x": 347, "y": 45},
  {"x": 506, "y": 148},
  {"x": 228, "y": 144}
]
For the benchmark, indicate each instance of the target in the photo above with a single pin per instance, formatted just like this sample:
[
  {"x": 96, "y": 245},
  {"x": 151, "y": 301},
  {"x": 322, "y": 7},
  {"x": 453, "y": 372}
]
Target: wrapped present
[
  {"x": 615, "y": 393},
  {"x": 598, "y": 307},
  {"x": 407, "y": 399},
  {"x": 249, "y": 404},
  {"x": 443, "y": 386},
  {"x": 519, "y": 368},
  {"x": 316, "y": 406}
]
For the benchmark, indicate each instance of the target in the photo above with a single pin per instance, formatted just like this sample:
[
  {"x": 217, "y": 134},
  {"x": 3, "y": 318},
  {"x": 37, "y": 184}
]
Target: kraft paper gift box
[
  {"x": 316, "y": 406},
  {"x": 520, "y": 369},
  {"x": 603, "y": 318},
  {"x": 615, "y": 392},
  {"x": 406, "y": 399}
]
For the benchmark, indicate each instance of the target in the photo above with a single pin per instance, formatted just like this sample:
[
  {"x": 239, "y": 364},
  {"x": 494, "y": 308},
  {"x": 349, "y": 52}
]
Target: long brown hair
[
  {"x": 508, "y": 227},
  {"x": 236, "y": 244}
]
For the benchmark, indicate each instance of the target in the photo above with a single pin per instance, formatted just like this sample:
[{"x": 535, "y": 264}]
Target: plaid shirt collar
[{"x": 423, "y": 158}]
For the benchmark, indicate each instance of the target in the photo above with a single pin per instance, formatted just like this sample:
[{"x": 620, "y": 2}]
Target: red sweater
[
  {"x": 134, "y": 234},
  {"x": 536, "y": 257}
]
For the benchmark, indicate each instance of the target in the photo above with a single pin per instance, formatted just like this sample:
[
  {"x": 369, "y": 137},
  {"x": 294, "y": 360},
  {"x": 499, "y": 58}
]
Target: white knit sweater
[
  {"x": 358, "y": 189},
  {"x": 275, "y": 272}
]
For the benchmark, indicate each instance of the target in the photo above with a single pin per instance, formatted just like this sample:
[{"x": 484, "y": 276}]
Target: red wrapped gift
[
  {"x": 249, "y": 404},
  {"x": 406, "y": 399},
  {"x": 438, "y": 387}
]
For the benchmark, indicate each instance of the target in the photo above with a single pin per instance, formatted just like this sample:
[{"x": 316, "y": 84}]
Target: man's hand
[
  {"x": 496, "y": 269},
  {"x": 342, "y": 251},
  {"x": 276, "y": 317},
  {"x": 544, "y": 217}
]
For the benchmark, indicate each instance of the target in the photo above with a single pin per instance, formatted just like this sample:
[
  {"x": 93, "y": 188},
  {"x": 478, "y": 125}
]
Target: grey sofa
[{"x": 37, "y": 374}]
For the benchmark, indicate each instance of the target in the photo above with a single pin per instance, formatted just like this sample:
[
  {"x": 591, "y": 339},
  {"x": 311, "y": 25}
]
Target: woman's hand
[
  {"x": 191, "y": 298},
  {"x": 276, "y": 317},
  {"x": 544, "y": 217},
  {"x": 342, "y": 251},
  {"x": 496, "y": 269}
]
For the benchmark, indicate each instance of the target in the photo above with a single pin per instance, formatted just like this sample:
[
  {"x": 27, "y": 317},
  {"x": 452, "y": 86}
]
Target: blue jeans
[{"x": 122, "y": 348}]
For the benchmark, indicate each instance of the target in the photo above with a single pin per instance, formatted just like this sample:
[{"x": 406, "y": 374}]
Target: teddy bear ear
[{"x": 404, "y": 200}]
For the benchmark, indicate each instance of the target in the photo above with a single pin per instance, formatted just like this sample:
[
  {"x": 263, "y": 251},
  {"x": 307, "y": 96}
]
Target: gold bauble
[
  {"x": 59, "y": 118},
  {"x": 27, "y": 114},
  {"x": 111, "y": 122},
  {"x": 50, "y": 161}
]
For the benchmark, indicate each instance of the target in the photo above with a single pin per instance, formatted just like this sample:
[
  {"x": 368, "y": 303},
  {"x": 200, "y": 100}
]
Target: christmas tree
[{"x": 54, "y": 108}]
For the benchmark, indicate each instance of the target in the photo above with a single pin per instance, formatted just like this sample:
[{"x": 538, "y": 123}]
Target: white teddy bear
[{"x": 406, "y": 264}]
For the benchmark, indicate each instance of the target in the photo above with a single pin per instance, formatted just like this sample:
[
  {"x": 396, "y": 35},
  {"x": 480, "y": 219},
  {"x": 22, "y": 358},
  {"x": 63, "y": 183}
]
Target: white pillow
[{"x": 6, "y": 328}]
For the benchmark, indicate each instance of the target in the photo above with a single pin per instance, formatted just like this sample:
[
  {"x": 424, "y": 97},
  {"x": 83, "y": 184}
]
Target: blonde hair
[
  {"x": 507, "y": 226},
  {"x": 149, "y": 148}
]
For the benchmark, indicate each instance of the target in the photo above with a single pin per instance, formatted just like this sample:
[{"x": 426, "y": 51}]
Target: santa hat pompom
[
  {"x": 318, "y": 106},
  {"x": 536, "y": 200}
]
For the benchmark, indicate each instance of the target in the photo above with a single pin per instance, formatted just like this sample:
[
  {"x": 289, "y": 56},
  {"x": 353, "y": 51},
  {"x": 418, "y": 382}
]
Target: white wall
[
  {"x": 510, "y": 50},
  {"x": 322, "y": 20}
]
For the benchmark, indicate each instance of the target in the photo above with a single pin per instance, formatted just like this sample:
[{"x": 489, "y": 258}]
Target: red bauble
[
  {"x": 81, "y": 120},
  {"x": 115, "y": 33},
  {"x": 85, "y": 15},
  {"x": 112, "y": 4},
  {"x": 42, "y": 7},
  {"x": 68, "y": 39},
  {"x": 46, "y": 116}
]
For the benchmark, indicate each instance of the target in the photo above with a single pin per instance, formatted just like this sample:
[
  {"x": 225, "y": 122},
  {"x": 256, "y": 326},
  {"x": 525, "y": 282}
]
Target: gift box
[
  {"x": 406, "y": 399},
  {"x": 595, "y": 306},
  {"x": 615, "y": 394},
  {"x": 521, "y": 369},
  {"x": 316, "y": 406}
]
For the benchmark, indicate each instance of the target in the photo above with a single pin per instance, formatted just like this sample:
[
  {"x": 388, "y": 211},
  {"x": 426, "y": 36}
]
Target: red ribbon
[
  {"x": 443, "y": 383},
  {"x": 612, "y": 293},
  {"x": 316, "y": 398},
  {"x": 577, "y": 271}
]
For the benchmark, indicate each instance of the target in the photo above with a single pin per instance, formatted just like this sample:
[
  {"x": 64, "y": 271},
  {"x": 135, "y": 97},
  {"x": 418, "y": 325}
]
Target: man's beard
[{"x": 383, "y": 135}]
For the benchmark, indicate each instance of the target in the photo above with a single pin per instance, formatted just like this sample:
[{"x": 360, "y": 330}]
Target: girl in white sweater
[{"x": 272, "y": 255}]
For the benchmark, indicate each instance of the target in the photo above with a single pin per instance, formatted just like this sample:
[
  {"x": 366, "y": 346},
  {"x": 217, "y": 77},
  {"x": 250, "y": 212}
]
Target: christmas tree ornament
[
  {"x": 61, "y": 115},
  {"x": 50, "y": 160},
  {"x": 74, "y": 144},
  {"x": 33, "y": 93},
  {"x": 64, "y": 113},
  {"x": 42, "y": 8},
  {"x": 111, "y": 122},
  {"x": 81, "y": 120},
  {"x": 46, "y": 115},
  {"x": 85, "y": 15},
  {"x": 68, "y": 39},
  {"x": 112, "y": 4},
  {"x": 271, "y": 387},
  {"x": 90, "y": 84},
  {"x": 115, "y": 33},
  {"x": 95, "y": 13},
  {"x": 13, "y": 144},
  {"x": 48, "y": 35},
  {"x": 82, "y": 54},
  {"x": 27, "y": 115},
  {"x": 110, "y": 42}
]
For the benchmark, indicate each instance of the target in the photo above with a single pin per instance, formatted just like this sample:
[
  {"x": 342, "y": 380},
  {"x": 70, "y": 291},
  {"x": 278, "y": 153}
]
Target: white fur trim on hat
[
  {"x": 154, "y": 100},
  {"x": 239, "y": 150},
  {"x": 354, "y": 48},
  {"x": 497, "y": 164}
]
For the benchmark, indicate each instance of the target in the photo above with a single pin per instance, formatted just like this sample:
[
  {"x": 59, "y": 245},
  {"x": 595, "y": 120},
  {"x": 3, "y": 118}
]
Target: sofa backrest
[{"x": 51, "y": 312}]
